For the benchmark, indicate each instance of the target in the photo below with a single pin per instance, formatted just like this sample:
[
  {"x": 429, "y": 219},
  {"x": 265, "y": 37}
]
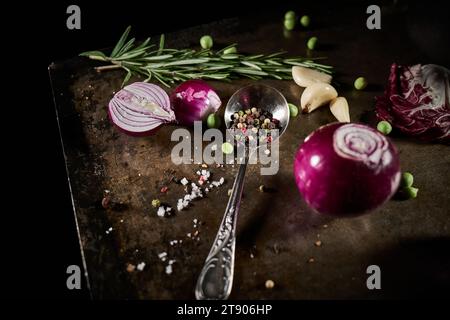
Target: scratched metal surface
[{"x": 276, "y": 231}]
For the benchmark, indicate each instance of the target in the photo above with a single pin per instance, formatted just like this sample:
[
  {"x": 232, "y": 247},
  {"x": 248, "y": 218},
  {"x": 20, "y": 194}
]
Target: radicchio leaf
[{"x": 417, "y": 101}]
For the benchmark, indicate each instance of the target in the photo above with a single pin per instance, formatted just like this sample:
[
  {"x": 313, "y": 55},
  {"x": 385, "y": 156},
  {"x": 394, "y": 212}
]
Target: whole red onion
[
  {"x": 346, "y": 169},
  {"x": 194, "y": 100}
]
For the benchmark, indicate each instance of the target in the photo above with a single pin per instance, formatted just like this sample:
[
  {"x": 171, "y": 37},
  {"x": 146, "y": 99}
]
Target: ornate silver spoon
[{"x": 216, "y": 278}]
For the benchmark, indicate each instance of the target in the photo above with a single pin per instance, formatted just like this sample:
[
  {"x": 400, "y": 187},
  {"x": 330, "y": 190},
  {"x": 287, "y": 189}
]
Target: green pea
[
  {"x": 227, "y": 148},
  {"x": 305, "y": 21},
  {"x": 312, "y": 42},
  {"x": 293, "y": 110},
  {"x": 407, "y": 179},
  {"x": 360, "y": 83},
  {"x": 206, "y": 42},
  {"x": 230, "y": 50},
  {"x": 411, "y": 192},
  {"x": 384, "y": 127},
  {"x": 290, "y": 15},
  {"x": 289, "y": 24},
  {"x": 213, "y": 121}
]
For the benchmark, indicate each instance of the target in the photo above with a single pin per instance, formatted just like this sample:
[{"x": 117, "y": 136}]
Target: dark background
[{"x": 42, "y": 239}]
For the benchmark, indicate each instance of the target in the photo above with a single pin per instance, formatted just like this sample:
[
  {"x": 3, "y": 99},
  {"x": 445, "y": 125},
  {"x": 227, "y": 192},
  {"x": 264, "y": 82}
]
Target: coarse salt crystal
[
  {"x": 161, "y": 211},
  {"x": 169, "y": 269},
  {"x": 141, "y": 266},
  {"x": 162, "y": 255},
  {"x": 204, "y": 172},
  {"x": 184, "y": 181}
]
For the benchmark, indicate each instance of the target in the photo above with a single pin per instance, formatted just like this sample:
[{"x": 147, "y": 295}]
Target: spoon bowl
[{"x": 258, "y": 96}]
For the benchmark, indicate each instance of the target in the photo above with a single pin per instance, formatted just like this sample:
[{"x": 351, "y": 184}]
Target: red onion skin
[
  {"x": 339, "y": 186},
  {"x": 187, "y": 107},
  {"x": 134, "y": 134}
]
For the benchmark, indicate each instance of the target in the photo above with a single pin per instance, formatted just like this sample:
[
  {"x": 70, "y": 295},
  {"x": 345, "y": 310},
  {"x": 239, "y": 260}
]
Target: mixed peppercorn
[{"x": 254, "y": 119}]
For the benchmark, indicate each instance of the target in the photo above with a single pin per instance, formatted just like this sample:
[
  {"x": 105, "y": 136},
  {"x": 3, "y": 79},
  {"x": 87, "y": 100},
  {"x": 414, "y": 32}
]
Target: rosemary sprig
[{"x": 173, "y": 65}]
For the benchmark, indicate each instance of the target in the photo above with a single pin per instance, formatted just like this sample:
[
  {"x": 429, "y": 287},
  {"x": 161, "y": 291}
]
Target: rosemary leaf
[
  {"x": 212, "y": 68},
  {"x": 229, "y": 56},
  {"x": 127, "y": 77},
  {"x": 130, "y": 55},
  {"x": 276, "y": 54},
  {"x": 250, "y": 71},
  {"x": 283, "y": 70},
  {"x": 92, "y": 53},
  {"x": 158, "y": 58},
  {"x": 161, "y": 44},
  {"x": 143, "y": 44},
  {"x": 157, "y": 76},
  {"x": 189, "y": 61},
  {"x": 127, "y": 46},
  {"x": 251, "y": 65},
  {"x": 120, "y": 43},
  {"x": 256, "y": 56},
  {"x": 272, "y": 62}
]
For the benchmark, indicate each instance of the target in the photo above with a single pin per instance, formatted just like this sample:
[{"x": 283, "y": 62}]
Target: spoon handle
[{"x": 216, "y": 279}]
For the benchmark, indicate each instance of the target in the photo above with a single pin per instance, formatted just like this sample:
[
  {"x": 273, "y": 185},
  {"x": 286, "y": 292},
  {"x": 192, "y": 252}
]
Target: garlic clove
[
  {"x": 305, "y": 77},
  {"x": 339, "y": 109},
  {"x": 317, "y": 95}
]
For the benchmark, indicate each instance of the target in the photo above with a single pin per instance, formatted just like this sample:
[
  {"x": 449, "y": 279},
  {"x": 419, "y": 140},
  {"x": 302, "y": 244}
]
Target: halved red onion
[
  {"x": 194, "y": 100},
  {"x": 140, "y": 109},
  {"x": 346, "y": 169}
]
